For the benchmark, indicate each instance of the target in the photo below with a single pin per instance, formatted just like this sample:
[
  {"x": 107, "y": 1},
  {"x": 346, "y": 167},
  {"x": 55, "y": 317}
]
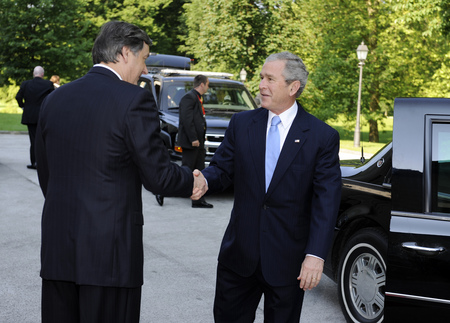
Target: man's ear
[
  {"x": 294, "y": 86},
  {"x": 125, "y": 53}
]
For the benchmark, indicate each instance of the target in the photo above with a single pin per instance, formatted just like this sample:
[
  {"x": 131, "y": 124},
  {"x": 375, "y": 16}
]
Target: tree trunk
[{"x": 373, "y": 131}]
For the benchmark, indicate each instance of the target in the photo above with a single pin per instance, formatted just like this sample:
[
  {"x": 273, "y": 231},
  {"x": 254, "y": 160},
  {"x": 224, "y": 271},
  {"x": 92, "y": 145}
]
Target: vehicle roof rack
[{"x": 173, "y": 72}]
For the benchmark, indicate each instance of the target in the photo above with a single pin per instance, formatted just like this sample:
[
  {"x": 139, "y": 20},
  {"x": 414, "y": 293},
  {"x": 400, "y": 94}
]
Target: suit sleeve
[
  {"x": 326, "y": 197},
  {"x": 220, "y": 172},
  {"x": 20, "y": 95},
  {"x": 159, "y": 175},
  {"x": 187, "y": 108},
  {"x": 41, "y": 154}
]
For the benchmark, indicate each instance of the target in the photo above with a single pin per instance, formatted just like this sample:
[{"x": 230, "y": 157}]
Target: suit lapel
[
  {"x": 256, "y": 131},
  {"x": 295, "y": 139}
]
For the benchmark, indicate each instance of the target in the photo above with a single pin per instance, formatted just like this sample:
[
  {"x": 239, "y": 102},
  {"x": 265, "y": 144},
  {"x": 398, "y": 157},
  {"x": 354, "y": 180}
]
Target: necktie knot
[{"x": 275, "y": 121}]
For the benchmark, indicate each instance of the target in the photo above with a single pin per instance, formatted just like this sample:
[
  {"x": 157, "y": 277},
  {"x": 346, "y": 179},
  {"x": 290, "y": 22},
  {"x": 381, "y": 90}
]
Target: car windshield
[{"x": 220, "y": 96}]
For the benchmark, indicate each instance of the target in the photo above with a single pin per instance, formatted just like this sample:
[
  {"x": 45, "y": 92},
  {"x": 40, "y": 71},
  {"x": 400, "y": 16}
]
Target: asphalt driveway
[{"x": 180, "y": 243}]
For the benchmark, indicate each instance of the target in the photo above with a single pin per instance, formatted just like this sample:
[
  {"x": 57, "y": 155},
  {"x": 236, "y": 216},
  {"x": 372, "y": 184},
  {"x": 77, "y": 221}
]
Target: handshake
[{"x": 200, "y": 185}]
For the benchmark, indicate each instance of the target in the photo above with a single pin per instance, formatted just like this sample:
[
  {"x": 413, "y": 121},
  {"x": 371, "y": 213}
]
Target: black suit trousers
[
  {"x": 194, "y": 158},
  {"x": 70, "y": 303},
  {"x": 237, "y": 298},
  {"x": 32, "y": 133}
]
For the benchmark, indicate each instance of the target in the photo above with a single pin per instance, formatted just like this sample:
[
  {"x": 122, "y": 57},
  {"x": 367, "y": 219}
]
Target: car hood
[{"x": 217, "y": 123}]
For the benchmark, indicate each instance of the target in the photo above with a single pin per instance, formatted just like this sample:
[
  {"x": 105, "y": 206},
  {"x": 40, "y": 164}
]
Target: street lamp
[
  {"x": 243, "y": 75},
  {"x": 361, "y": 51}
]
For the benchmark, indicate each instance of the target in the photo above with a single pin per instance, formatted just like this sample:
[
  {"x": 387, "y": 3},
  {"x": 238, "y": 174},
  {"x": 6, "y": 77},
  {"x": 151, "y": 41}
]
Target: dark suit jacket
[
  {"x": 297, "y": 215},
  {"x": 192, "y": 124},
  {"x": 98, "y": 141},
  {"x": 30, "y": 97}
]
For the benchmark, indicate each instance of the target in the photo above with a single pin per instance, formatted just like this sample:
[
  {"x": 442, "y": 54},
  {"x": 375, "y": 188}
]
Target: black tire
[{"x": 362, "y": 276}]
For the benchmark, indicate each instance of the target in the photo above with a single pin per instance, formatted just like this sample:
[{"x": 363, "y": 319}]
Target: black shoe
[
  {"x": 159, "y": 199},
  {"x": 202, "y": 204},
  {"x": 32, "y": 166}
]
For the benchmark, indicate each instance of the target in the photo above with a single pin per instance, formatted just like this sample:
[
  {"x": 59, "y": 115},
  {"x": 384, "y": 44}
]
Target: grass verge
[{"x": 10, "y": 117}]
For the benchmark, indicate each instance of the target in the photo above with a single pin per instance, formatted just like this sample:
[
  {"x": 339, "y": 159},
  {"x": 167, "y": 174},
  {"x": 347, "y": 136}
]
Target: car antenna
[{"x": 362, "y": 159}]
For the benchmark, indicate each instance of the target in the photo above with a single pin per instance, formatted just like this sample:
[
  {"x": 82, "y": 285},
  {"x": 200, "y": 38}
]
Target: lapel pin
[{"x": 297, "y": 141}]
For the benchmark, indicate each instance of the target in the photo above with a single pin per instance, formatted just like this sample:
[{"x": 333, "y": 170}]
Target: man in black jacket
[
  {"x": 30, "y": 96},
  {"x": 192, "y": 130}
]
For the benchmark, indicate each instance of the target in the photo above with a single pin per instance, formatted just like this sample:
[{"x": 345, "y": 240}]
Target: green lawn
[
  {"x": 346, "y": 132},
  {"x": 10, "y": 117}
]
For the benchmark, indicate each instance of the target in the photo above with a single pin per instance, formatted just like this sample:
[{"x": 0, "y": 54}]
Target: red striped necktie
[{"x": 201, "y": 102}]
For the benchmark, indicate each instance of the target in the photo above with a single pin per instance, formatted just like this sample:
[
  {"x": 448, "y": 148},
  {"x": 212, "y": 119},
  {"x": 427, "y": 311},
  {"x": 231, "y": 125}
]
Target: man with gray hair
[
  {"x": 284, "y": 166},
  {"x": 30, "y": 96},
  {"x": 98, "y": 142}
]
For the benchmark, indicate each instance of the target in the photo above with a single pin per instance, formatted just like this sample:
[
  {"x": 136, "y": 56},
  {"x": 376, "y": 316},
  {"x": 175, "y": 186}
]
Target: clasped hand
[{"x": 200, "y": 186}]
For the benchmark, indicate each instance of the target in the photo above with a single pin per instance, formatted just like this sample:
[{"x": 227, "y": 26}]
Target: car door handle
[{"x": 426, "y": 251}]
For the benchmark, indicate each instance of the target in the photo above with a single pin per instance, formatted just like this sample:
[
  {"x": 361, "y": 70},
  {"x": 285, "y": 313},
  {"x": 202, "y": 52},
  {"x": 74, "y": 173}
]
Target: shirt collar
[
  {"x": 109, "y": 68},
  {"x": 287, "y": 117}
]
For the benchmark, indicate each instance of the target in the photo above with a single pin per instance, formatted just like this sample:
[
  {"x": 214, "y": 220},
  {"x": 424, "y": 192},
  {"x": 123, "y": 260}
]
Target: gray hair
[
  {"x": 38, "y": 71},
  {"x": 294, "y": 70},
  {"x": 113, "y": 36}
]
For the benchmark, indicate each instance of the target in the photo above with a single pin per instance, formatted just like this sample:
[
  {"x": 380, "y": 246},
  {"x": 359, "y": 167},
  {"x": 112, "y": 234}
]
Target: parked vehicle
[
  {"x": 155, "y": 62},
  {"x": 390, "y": 255},
  {"x": 224, "y": 98}
]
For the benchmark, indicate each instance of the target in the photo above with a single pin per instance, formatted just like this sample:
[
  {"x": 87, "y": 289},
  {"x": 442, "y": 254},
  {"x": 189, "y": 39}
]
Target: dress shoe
[
  {"x": 159, "y": 199},
  {"x": 32, "y": 166},
  {"x": 202, "y": 204}
]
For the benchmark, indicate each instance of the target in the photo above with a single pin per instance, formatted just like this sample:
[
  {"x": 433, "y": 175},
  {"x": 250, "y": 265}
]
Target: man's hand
[
  {"x": 196, "y": 143},
  {"x": 200, "y": 186},
  {"x": 311, "y": 272}
]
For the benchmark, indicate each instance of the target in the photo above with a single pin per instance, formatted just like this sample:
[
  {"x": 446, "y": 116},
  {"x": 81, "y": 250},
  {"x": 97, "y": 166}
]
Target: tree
[
  {"x": 50, "y": 33},
  {"x": 228, "y": 35},
  {"x": 406, "y": 50},
  {"x": 160, "y": 19}
]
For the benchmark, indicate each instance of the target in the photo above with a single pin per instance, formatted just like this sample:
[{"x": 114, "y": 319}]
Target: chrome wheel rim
[{"x": 367, "y": 280}]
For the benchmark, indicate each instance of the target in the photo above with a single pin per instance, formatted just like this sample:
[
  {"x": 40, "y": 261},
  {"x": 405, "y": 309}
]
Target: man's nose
[{"x": 262, "y": 84}]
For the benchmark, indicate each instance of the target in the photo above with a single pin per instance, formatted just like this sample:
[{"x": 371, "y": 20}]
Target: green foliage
[
  {"x": 445, "y": 14},
  {"x": 8, "y": 93},
  {"x": 407, "y": 55},
  {"x": 407, "y": 39},
  {"x": 50, "y": 33},
  {"x": 234, "y": 34}
]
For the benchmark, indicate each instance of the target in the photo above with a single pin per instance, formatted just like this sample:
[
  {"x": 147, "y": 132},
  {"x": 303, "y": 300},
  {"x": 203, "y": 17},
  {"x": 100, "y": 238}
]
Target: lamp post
[
  {"x": 361, "y": 51},
  {"x": 243, "y": 75}
]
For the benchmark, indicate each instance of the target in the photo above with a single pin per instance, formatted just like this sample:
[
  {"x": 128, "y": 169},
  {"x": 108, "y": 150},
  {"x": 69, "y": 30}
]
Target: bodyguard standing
[
  {"x": 30, "y": 96},
  {"x": 98, "y": 141},
  {"x": 192, "y": 131},
  {"x": 284, "y": 165}
]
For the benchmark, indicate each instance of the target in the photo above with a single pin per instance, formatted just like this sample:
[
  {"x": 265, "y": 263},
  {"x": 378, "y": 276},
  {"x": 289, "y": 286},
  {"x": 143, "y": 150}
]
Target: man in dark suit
[
  {"x": 191, "y": 132},
  {"x": 283, "y": 216},
  {"x": 98, "y": 141},
  {"x": 30, "y": 96}
]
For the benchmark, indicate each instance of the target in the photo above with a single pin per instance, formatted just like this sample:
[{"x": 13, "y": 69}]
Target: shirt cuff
[{"x": 315, "y": 257}]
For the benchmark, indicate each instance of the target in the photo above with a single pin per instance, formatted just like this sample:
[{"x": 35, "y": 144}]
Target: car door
[{"x": 418, "y": 265}]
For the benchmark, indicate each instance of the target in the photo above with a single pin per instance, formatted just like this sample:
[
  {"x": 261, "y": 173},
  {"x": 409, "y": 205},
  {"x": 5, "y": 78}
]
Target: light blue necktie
[{"x": 272, "y": 149}]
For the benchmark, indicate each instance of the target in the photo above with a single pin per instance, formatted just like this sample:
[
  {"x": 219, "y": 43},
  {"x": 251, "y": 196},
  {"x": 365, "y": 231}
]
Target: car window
[
  {"x": 220, "y": 96},
  {"x": 173, "y": 93},
  {"x": 440, "y": 168},
  {"x": 225, "y": 97}
]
